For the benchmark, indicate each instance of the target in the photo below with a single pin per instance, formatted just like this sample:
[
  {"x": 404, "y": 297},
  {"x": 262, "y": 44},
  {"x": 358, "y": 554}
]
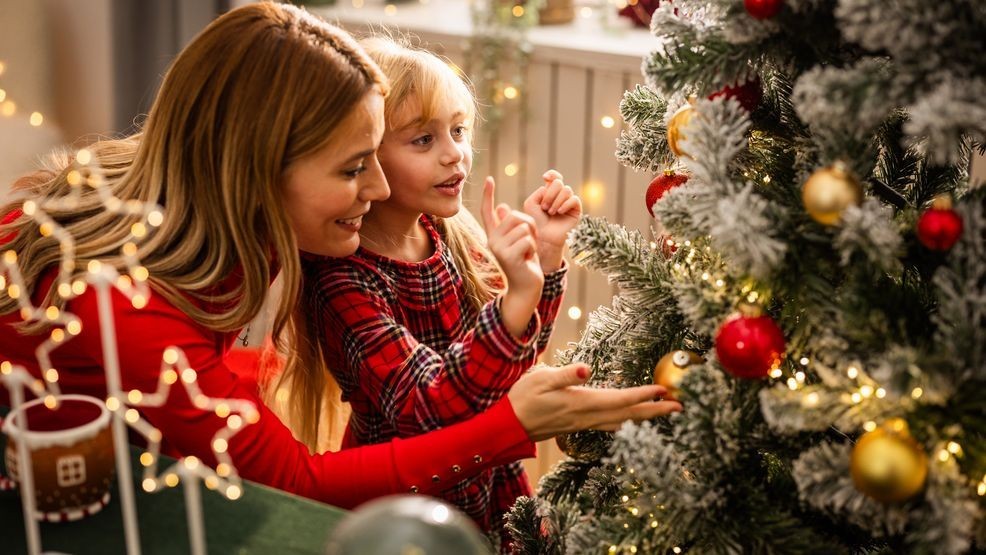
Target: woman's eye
[
  {"x": 351, "y": 174},
  {"x": 422, "y": 140}
]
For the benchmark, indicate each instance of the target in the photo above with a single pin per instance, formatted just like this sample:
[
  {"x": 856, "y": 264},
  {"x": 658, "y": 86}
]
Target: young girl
[{"x": 432, "y": 332}]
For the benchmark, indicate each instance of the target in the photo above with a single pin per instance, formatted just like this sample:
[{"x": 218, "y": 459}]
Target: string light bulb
[{"x": 593, "y": 193}]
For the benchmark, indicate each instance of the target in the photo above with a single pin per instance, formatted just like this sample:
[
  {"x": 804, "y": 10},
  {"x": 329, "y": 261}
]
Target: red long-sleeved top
[{"x": 264, "y": 452}]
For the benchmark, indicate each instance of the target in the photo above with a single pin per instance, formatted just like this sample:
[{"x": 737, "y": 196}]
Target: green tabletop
[{"x": 263, "y": 520}]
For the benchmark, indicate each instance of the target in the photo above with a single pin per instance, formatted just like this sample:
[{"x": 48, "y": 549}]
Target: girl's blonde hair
[
  {"x": 418, "y": 75},
  {"x": 261, "y": 87}
]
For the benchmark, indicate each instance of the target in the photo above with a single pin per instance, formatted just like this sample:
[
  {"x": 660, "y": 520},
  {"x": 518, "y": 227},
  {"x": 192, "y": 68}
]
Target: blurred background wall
[{"x": 90, "y": 68}]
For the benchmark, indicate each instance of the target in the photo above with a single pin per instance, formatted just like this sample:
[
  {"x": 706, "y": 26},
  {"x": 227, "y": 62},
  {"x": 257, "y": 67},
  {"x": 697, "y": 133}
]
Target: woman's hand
[{"x": 551, "y": 401}]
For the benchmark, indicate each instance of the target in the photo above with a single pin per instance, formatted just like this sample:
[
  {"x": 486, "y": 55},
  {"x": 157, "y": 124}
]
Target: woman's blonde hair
[
  {"x": 420, "y": 76},
  {"x": 261, "y": 87}
]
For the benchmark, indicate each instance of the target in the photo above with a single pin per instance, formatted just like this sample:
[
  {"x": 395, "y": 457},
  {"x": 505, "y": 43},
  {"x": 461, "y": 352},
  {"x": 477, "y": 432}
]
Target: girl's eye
[
  {"x": 353, "y": 173},
  {"x": 460, "y": 131},
  {"x": 422, "y": 140}
]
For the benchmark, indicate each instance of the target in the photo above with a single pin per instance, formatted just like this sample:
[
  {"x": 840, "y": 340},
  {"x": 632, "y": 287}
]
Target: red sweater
[{"x": 264, "y": 452}]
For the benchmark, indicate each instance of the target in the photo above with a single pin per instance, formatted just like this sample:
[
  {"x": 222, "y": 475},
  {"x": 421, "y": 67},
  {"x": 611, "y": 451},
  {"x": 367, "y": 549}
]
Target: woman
[{"x": 262, "y": 141}]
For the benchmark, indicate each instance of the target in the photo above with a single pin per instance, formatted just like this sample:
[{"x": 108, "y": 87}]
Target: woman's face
[{"x": 327, "y": 193}]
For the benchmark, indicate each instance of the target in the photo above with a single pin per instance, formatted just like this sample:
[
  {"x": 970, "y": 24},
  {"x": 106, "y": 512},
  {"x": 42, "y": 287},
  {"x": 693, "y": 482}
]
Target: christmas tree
[{"x": 817, "y": 299}]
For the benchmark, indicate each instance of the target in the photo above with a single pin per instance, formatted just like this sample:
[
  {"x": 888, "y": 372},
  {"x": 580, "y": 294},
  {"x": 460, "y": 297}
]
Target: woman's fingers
[
  {"x": 551, "y": 401},
  {"x": 613, "y": 420},
  {"x": 612, "y": 399},
  {"x": 553, "y": 378}
]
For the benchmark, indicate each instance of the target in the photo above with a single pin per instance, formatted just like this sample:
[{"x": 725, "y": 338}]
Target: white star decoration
[
  {"x": 133, "y": 285},
  {"x": 236, "y": 412},
  {"x": 65, "y": 325}
]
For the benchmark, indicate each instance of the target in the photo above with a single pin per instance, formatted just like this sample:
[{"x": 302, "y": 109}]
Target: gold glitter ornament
[
  {"x": 671, "y": 369},
  {"x": 829, "y": 191},
  {"x": 887, "y": 464},
  {"x": 676, "y": 125}
]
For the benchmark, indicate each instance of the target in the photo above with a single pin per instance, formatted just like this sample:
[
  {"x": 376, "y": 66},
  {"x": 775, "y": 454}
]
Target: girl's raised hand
[
  {"x": 512, "y": 238},
  {"x": 556, "y": 210}
]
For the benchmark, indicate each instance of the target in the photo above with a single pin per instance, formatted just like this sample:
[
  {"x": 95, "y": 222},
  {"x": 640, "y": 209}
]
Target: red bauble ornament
[
  {"x": 748, "y": 94},
  {"x": 939, "y": 227},
  {"x": 640, "y": 11},
  {"x": 662, "y": 184},
  {"x": 763, "y": 9},
  {"x": 749, "y": 345}
]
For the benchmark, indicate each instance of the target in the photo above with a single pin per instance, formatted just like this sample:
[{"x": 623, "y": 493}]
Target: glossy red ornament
[
  {"x": 750, "y": 346},
  {"x": 660, "y": 185},
  {"x": 939, "y": 227},
  {"x": 748, "y": 94},
  {"x": 640, "y": 12},
  {"x": 763, "y": 9}
]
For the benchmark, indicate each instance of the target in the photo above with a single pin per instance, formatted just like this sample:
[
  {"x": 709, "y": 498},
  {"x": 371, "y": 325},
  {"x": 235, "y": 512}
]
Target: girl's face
[
  {"x": 327, "y": 192},
  {"x": 427, "y": 163}
]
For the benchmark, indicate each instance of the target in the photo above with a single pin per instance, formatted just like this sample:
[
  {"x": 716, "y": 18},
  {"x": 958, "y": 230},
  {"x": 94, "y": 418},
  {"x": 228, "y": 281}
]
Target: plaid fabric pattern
[{"x": 412, "y": 355}]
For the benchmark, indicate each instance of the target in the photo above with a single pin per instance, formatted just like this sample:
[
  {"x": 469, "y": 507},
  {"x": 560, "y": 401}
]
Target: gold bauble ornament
[
  {"x": 829, "y": 191},
  {"x": 676, "y": 124},
  {"x": 671, "y": 369},
  {"x": 887, "y": 464}
]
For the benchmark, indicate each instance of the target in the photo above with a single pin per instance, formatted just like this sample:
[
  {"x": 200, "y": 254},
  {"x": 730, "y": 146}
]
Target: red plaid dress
[{"x": 412, "y": 355}]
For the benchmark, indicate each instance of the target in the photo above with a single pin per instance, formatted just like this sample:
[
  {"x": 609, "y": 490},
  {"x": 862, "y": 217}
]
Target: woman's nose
[{"x": 374, "y": 187}]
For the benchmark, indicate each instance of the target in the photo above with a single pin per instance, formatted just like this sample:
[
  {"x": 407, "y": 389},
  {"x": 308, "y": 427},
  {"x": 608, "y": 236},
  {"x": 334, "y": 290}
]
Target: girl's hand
[
  {"x": 552, "y": 401},
  {"x": 512, "y": 238},
  {"x": 556, "y": 210}
]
